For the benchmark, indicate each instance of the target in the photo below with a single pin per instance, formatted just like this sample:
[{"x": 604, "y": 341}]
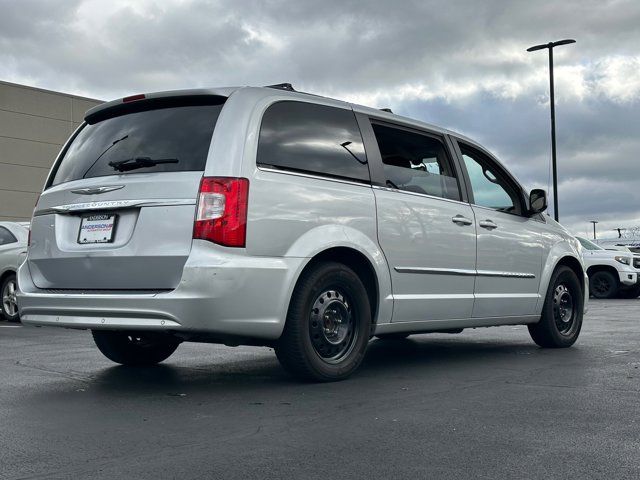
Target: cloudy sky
[{"x": 459, "y": 64}]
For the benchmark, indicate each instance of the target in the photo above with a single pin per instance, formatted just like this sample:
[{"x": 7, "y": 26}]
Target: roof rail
[
  {"x": 283, "y": 86},
  {"x": 388, "y": 110}
]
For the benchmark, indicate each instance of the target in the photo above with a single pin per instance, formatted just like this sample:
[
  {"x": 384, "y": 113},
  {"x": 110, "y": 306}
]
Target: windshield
[
  {"x": 588, "y": 244},
  {"x": 181, "y": 134}
]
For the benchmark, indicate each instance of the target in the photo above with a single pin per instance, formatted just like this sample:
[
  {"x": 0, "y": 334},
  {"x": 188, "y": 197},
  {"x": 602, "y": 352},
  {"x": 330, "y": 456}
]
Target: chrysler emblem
[{"x": 96, "y": 190}]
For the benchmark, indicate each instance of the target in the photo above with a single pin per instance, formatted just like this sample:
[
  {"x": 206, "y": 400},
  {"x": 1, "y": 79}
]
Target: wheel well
[
  {"x": 574, "y": 265},
  {"x": 5, "y": 275},
  {"x": 602, "y": 268},
  {"x": 359, "y": 264}
]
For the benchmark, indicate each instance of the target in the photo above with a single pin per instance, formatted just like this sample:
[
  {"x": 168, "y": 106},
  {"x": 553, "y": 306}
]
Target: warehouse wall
[{"x": 34, "y": 124}]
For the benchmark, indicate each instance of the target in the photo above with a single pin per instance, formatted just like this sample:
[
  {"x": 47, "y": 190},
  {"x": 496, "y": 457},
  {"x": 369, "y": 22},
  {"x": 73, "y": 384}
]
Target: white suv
[
  {"x": 611, "y": 272},
  {"x": 265, "y": 216}
]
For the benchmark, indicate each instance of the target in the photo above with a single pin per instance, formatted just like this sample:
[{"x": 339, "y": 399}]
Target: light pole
[
  {"x": 594, "y": 227},
  {"x": 550, "y": 46}
]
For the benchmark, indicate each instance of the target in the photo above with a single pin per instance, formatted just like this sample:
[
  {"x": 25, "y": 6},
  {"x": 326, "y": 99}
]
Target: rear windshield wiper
[{"x": 139, "y": 162}]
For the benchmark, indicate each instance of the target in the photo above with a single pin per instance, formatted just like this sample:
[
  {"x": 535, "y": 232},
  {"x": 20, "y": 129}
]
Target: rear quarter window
[
  {"x": 6, "y": 237},
  {"x": 311, "y": 138},
  {"x": 181, "y": 134}
]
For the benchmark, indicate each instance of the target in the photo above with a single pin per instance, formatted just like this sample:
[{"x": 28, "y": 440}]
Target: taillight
[
  {"x": 222, "y": 211},
  {"x": 31, "y": 223}
]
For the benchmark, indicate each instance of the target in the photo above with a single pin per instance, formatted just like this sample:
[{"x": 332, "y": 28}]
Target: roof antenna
[{"x": 388, "y": 110}]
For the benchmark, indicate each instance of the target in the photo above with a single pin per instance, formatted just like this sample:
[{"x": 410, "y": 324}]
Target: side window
[
  {"x": 489, "y": 189},
  {"x": 416, "y": 163},
  {"x": 6, "y": 236},
  {"x": 312, "y": 138}
]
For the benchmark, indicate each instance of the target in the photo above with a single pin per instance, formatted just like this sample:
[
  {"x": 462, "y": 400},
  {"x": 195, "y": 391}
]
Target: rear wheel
[
  {"x": 8, "y": 291},
  {"x": 603, "y": 284},
  {"x": 561, "y": 319},
  {"x": 135, "y": 348},
  {"x": 328, "y": 324}
]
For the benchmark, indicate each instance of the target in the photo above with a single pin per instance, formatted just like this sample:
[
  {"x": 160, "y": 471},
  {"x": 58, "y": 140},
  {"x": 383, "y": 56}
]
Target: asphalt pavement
[{"x": 487, "y": 403}]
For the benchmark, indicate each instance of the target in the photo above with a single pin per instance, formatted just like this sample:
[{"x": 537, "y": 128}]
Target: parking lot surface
[{"x": 486, "y": 403}]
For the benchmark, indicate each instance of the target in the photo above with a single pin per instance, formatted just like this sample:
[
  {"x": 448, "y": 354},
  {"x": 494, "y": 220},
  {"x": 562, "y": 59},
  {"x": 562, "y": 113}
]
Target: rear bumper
[{"x": 220, "y": 293}]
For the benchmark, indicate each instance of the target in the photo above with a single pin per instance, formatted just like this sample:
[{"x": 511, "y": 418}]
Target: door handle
[
  {"x": 488, "y": 224},
  {"x": 460, "y": 220}
]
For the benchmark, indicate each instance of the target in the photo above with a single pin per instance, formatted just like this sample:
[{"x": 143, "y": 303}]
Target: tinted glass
[
  {"x": 489, "y": 190},
  {"x": 312, "y": 138},
  {"x": 416, "y": 163},
  {"x": 6, "y": 236},
  {"x": 178, "y": 133}
]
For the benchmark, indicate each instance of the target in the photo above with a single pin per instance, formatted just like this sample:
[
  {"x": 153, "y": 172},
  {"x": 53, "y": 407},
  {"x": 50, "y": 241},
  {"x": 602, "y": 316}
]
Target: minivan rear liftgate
[{"x": 118, "y": 209}]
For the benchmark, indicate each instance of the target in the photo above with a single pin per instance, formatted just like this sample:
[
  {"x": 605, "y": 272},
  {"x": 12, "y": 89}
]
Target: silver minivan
[{"x": 266, "y": 216}]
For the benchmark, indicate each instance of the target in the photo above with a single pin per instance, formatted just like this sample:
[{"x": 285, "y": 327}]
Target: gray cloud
[{"x": 460, "y": 64}]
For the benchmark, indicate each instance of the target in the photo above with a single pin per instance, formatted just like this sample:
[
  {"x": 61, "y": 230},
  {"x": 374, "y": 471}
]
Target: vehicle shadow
[
  {"x": 429, "y": 354},
  {"x": 178, "y": 379},
  {"x": 419, "y": 356}
]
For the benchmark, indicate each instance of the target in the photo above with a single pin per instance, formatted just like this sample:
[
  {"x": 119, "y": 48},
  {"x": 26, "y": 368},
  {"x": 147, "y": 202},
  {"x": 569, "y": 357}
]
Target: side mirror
[{"x": 537, "y": 201}]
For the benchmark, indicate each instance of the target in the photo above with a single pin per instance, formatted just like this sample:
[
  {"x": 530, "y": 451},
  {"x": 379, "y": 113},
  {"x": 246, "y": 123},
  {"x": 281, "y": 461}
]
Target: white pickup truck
[{"x": 611, "y": 272}]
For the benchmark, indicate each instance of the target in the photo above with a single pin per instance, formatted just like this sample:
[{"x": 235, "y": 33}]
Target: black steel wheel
[
  {"x": 561, "y": 318},
  {"x": 332, "y": 326},
  {"x": 564, "y": 309},
  {"x": 328, "y": 324}
]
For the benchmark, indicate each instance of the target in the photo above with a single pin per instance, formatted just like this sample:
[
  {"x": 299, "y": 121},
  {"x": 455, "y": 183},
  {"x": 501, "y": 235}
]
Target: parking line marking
[{"x": 10, "y": 326}]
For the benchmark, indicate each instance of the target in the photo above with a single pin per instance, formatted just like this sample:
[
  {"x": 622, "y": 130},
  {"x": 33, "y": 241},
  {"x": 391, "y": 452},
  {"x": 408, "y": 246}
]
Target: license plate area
[{"x": 97, "y": 228}]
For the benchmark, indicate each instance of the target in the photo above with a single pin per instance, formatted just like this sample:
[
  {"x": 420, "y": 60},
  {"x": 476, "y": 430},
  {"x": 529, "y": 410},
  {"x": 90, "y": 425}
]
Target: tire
[
  {"x": 135, "y": 348},
  {"x": 603, "y": 284},
  {"x": 555, "y": 330},
  {"x": 393, "y": 336},
  {"x": 632, "y": 292},
  {"x": 331, "y": 349},
  {"x": 9, "y": 305}
]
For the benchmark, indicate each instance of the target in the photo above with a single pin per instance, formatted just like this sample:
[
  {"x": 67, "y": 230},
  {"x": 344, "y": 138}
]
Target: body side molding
[{"x": 455, "y": 271}]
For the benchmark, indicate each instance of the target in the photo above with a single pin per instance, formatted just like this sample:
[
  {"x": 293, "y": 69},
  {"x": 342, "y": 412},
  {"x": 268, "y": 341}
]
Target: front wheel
[
  {"x": 561, "y": 319},
  {"x": 8, "y": 290},
  {"x": 328, "y": 324},
  {"x": 135, "y": 348},
  {"x": 603, "y": 284}
]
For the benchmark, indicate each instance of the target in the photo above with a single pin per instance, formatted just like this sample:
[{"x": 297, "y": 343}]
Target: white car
[
  {"x": 13, "y": 249},
  {"x": 611, "y": 272}
]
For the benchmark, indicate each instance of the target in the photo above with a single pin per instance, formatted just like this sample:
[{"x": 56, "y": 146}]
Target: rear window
[
  {"x": 311, "y": 138},
  {"x": 172, "y": 139}
]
